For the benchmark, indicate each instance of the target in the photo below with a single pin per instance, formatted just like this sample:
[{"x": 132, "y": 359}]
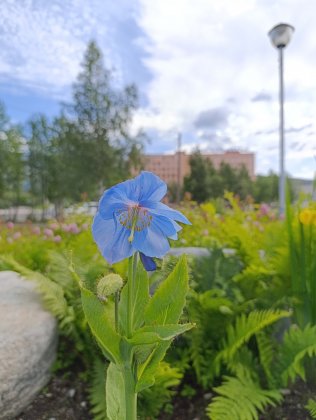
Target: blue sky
[{"x": 203, "y": 67}]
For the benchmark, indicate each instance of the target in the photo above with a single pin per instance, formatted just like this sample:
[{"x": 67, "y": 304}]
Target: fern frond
[
  {"x": 152, "y": 400},
  {"x": 298, "y": 344},
  {"x": 241, "y": 399},
  {"x": 96, "y": 390},
  {"x": 266, "y": 355},
  {"x": 243, "y": 364},
  {"x": 52, "y": 293},
  {"x": 311, "y": 407},
  {"x": 245, "y": 327}
]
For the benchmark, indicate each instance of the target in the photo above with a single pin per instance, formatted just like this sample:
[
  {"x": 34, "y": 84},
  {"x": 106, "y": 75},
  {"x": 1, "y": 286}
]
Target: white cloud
[
  {"x": 207, "y": 54},
  {"x": 201, "y": 55},
  {"x": 43, "y": 42}
]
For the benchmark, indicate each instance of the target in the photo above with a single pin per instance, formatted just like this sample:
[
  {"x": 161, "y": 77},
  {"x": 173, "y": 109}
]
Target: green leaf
[
  {"x": 101, "y": 325},
  {"x": 166, "y": 306},
  {"x": 115, "y": 393},
  {"x": 140, "y": 299},
  {"x": 147, "y": 371},
  {"x": 163, "y": 309},
  {"x": 154, "y": 333}
]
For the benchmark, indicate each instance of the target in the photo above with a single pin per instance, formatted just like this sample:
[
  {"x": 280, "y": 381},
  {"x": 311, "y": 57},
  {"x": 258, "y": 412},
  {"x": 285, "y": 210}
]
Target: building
[{"x": 173, "y": 168}]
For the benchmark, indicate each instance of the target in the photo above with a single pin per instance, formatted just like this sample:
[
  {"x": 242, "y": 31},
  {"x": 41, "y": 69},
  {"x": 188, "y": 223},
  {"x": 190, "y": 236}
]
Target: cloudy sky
[{"x": 205, "y": 68}]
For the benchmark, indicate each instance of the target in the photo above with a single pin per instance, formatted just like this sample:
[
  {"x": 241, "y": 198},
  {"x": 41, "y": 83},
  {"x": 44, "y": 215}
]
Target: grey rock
[
  {"x": 71, "y": 393},
  {"x": 28, "y": 340},
  {"x": 194, "y": 251}
]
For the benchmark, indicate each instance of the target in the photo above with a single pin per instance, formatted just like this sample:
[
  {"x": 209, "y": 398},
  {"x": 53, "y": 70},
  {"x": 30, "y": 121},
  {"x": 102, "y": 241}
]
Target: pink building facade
[{"x": 173, "y": 168}]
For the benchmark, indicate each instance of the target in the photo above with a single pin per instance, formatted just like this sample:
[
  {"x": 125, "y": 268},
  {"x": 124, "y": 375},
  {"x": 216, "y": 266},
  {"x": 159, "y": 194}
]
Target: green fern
[
  {"x": 297, "y": 346},
  {"x": 245, "y": 327},
  {"x": 243, "y": 364},
  {"x": 241, "y": 399},
  {"x": 266, "y": 350},
  {"x": 311, "y": 407},
  {"x": 51, "y": 292},
  {"x": 152, "y": 400},
  {"x": 96, "y": 389}
]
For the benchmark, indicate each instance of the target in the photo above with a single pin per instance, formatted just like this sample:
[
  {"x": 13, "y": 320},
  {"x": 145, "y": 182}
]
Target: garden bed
[{"x": 65, "y": 398}]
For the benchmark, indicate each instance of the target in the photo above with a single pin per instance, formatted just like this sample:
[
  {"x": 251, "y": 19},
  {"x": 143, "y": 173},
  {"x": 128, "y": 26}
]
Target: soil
[{"x": 65, "y": 398}]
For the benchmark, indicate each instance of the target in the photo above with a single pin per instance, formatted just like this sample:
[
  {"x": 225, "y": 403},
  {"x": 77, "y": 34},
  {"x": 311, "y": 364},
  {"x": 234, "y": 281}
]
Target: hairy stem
[
  {"x": 128, "y": 374},
  {"x": 132, "y": 266}
]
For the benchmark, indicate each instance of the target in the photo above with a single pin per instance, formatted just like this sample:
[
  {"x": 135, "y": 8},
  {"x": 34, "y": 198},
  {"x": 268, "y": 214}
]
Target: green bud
[{"x": 108, "y": 285}]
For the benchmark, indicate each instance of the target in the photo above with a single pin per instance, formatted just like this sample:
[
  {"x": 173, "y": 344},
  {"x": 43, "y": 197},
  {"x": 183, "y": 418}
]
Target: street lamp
[{"x": 280, "y": 35}]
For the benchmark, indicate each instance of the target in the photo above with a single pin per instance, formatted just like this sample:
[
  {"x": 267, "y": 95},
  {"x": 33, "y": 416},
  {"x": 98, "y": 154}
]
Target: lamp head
[{"x": 281, "y": 34}]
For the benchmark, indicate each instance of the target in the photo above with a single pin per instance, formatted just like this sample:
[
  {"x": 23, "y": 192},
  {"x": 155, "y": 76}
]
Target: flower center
[{"x": 135, "y": 218}]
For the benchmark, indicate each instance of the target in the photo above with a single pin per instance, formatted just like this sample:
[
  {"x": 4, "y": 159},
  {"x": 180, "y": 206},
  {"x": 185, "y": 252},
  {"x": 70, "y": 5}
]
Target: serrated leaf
[
  {"x": 166, "y": 306},
  {"x": 101, "y": 325}
]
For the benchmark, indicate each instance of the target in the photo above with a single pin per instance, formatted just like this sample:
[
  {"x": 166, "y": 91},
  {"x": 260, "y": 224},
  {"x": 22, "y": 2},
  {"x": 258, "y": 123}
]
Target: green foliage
[
  {"x": 12, "y": 165},
  {"x": 298, "y": 345},
  {"x": 241, "y": 399},
  {"x": 239, "y": 301},
  {"x": 135, "y": 332},
  {"x": 96, "y": 389},
  {"x": 86, "y": 148},
  {"x": 153, "y": 400},
  {"x": 302, "y": 262},
  {"x": 245, "y": 327},
  {"x": 205, "y": 182},
  {"x": 311, "y": 407}
]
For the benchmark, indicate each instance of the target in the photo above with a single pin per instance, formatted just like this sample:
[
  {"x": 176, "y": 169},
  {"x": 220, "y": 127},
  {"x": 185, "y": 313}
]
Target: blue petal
[
  {"x": 151, "y": 187},
  {"x": 166, "y": 225},
  {"x": 112, "y": 239},
  {"x": 148, "y": 263},
  {"x": 151, "y": 241},
  {"x": 163, "y": 210},
  {"x": 102, "y": 231},
  {"x": 177, "y": 228},
  {"x": 115, "y": 199}
]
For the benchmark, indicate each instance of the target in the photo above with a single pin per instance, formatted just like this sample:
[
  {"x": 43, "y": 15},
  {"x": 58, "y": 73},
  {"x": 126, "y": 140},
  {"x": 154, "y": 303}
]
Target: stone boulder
[
  {"x": 194, "y": 251},
  {"x": 28, "y": 341}
]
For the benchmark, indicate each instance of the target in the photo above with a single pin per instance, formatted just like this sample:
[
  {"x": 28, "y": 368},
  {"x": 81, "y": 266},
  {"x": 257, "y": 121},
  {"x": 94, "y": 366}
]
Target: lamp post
[{"x": 280, "y": 35}]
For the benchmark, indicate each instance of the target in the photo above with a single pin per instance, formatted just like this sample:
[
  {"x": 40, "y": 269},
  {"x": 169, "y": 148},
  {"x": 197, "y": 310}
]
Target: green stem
[
  {"x": 132, "y": 265},
  {"x": 117, "y": 300},
  {"x": 128, "y": 374},
  {"x": 130, "y": 395}
]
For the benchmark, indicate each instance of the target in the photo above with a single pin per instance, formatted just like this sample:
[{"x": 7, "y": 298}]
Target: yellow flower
[{"x": 306, "y": 216}]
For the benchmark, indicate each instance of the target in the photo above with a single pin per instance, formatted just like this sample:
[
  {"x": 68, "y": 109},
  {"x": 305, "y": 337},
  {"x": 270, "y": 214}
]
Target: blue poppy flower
[{"x": 131, "y": 218}]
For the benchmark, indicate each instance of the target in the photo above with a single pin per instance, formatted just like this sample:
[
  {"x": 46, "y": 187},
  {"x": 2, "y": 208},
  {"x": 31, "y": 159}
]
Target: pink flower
[
  {"x": 10, "y": 225},
  {"x": 57, "y": 238},
  {"x": 66, "y": 228},
  {"x": 85, "y": 226},
  {"x": 264, "y": 209},
  {"x": 73, "y": 228},
  {"x": 48, "y": 232},
  {"x": 36, "y": 230},
  {"x": 54, "y": 226},
  {"x": 17, "y": 235}
]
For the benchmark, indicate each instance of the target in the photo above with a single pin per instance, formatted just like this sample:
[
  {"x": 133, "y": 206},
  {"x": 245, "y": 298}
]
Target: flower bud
[{"x": 108, "y": 285}]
